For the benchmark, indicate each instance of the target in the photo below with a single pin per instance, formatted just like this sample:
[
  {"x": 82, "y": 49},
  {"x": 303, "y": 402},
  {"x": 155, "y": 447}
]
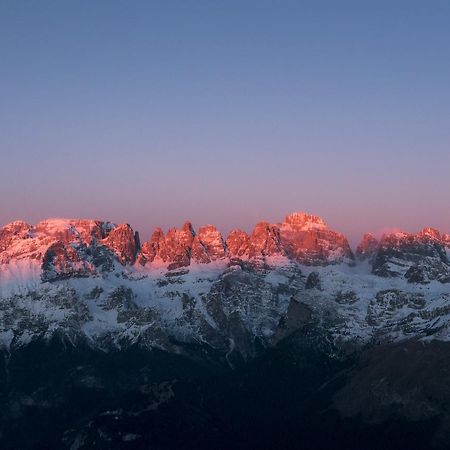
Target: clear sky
[{"x": 226, "y": 112}]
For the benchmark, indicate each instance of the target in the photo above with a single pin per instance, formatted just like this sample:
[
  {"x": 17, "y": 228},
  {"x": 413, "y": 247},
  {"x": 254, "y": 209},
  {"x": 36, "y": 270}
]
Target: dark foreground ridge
[{"x": 294, "y": 396}]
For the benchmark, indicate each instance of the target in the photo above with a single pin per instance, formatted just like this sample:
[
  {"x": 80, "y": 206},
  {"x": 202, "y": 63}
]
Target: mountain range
[{"x": 225, "y": 305}]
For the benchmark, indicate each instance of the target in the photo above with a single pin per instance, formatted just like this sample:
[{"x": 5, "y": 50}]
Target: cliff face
[
  {"x": 124, "y": 242},
  {"x": 308, "y": 240},
  {"x": 82, "y": 287},
  {"x": 301, "y": 237},
  {"x": 93, "y": 278},
  {"x": 367, "y": 248},
  {"x": 82, "y": 247},
  {"x": 420, "y": 257}
]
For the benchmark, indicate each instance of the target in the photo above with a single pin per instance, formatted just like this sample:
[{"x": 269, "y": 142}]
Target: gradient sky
[{"x": 153, "y": 112}]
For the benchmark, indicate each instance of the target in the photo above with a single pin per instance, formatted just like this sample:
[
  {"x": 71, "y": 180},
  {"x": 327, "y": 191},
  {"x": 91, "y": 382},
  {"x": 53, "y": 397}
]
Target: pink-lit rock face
[
  {"x": 446, "y": 240},
  {"x": 265, "y": 241},
  {"x": 308, "y": 240},
  {"x": 368, "y": 247},
  {"x": 180, "y": 247},
  {"x": 73, "y": 230},
  {"x": 301, "y": 237},
  {"x": 124, "y": 242},
  {"x": 151, "y": 248},
  {"x": 176, "y": 247},
  {"x": 62, "y": 238},
  {"x": 419, "y": 257},
  {"x": 18, "y": 241},
  {"x": 430, "y": 233},
  {"x": 173, "y": 249},
  {"x": 12, "y": 232},
  {"x": 120, "y": 239},
  {"x": 425, "y": 241},
  {"x": 305, "y": 221},
  {"x": 304, "y": 238},
  {"x": 238, "y": 243},
  {"x": 63, "y": 261},
  {"x": 208, "y": 245}
]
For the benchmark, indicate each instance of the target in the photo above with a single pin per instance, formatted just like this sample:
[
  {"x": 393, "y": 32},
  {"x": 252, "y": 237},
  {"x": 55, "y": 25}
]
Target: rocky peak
[
  {"x": 431, "y": 233},
  {"x": 446, "y": 240},
  {"x": 67, "y": 243},
  {"x": 238, "y": 243},
  {"x": 208, "y": 245},
  {"x": 368, "y": 247},
  {"x": 302, "y": 237},
  {"x": 307, "y": 239},
  {"x": 304, "y": 220},
  {"x": 151, "y": 248},
  {"x": 124, "y": 242},
  {"x": 265, "y": 241},
  {"x": 13, "y": 231},
  {"x": 63, "y": 261},
  {"x": 427, "y": 242},
  {"x": 175, "y": 248},
  {"x": 17, "y": 227},
  {"x": 418, "y": 257},
  {"x": 73, "y": 230},
  {"x": 188, "y": 228}
]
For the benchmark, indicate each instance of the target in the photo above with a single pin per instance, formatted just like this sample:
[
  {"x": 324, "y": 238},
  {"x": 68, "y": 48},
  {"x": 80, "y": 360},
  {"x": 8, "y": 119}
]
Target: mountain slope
[{"x": 168, "y": 328}]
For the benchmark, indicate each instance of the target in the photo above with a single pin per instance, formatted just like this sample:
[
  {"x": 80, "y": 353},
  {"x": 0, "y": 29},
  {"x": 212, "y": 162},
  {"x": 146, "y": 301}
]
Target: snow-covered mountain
[
  {"x": 195, "y": 340},
  {"x": 93, "y": 281}
]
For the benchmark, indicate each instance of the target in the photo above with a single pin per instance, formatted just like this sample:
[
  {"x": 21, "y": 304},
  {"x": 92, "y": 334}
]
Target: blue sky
[{"x": 153, "y": 112}]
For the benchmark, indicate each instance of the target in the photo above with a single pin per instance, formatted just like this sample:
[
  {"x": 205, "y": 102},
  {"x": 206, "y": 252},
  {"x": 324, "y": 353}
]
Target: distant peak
[
  {"x": 61, "y": 223},
  {"x": 431, "y": 232},
  {"x": 16, "y": 225},
  {"x": 304, "y": 219},
  {"x": 207, "y": 229},
  {"x": 187, "y": 226},
  {"x": 368, "y": 247},
  {"x": 122, "y": 226}
]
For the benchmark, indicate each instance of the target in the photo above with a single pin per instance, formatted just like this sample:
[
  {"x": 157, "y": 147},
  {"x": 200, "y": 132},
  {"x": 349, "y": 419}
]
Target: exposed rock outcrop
[
  {"x": 308, "y": 240},
  {"x": 238, "y": 243},
  {"x": 208, "y": 245},
  {"x": 124, "y": 242},
  {"x": 420, "y": 257},
  {"x": 265, "y": 241},
  {"x": 367, "y": 248}
]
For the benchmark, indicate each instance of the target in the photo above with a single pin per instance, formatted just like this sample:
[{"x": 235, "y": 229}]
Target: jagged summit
[
  {"x": 368, "y": 247},
  {"x": 431, "y": 233},
  {"x": 302, "y": 238},
  {"x": 93, "y": 280},
  {"x": 16, "y": 225},
  {"x": 419, "y": 257},
  {"x": 305, "y": 220}
]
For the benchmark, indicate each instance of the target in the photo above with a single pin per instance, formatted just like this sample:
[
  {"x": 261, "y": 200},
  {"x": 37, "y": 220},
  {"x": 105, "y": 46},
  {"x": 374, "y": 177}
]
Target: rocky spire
[
  {"x": 307, "y": 239},
  {"x": 265, "y": 241},
  {"x": 208, "y": 245},
  {"x": 238, "y": 243},
  {"x": 304, "y": 220},
  {"x": 367, "y": 248},
  {"x": 175, "y": 248},
  {"x": 151, "y": 248},
  {"x": 419, "y": 257},
  {"x": 123, "y": 242},
  {"x": 13, "y": 231}
]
